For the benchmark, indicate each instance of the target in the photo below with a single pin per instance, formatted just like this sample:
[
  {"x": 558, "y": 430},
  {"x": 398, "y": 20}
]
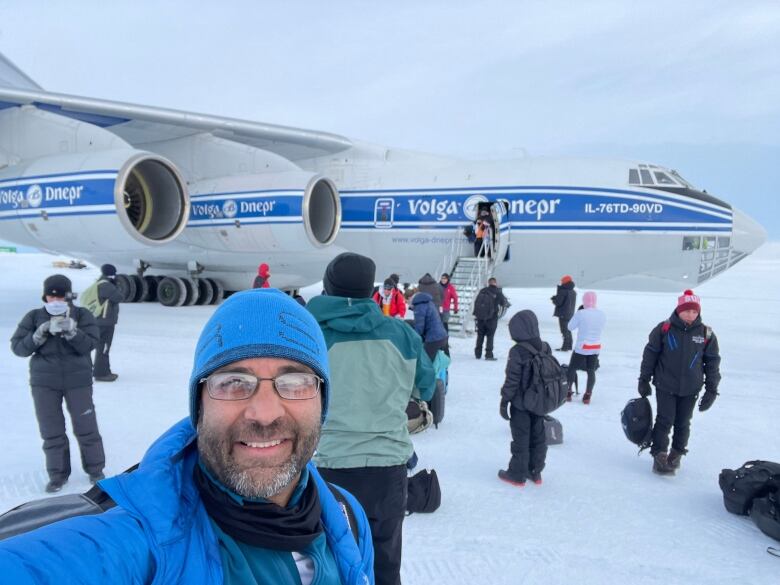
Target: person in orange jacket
[{"x": 390, "y": 300}]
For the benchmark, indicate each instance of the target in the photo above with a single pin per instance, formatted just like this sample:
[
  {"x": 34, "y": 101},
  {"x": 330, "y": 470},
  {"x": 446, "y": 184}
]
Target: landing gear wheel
[
  {"x": 126, "y": 286},
  {"x": 141, "y": 288},
  {"x": 219, "y": 292},
  {"x": 151, "y": 283},
  {"x": 205, "y": 292},
  {"x": 192, "y": 291},
  {"x": 171, "y": 291}
]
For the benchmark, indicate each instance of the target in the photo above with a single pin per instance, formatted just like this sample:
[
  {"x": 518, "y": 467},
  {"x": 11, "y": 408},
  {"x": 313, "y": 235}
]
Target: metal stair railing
[{"x": 469, "y": 276}]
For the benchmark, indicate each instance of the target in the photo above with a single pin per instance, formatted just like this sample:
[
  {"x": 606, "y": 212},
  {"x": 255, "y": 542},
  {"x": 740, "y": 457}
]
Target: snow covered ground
[{"x": 600, "y": 517}]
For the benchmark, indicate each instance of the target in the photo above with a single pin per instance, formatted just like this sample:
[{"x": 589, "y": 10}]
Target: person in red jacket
[
  {"x": 263, "y": 274},
  {"x": 390, "y": 300},
  {"x": 449, "y": 299}
]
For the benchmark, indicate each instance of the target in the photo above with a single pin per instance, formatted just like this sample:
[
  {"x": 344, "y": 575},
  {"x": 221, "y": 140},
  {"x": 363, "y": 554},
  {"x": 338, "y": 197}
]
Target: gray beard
[{"x": 215, "y": 451}]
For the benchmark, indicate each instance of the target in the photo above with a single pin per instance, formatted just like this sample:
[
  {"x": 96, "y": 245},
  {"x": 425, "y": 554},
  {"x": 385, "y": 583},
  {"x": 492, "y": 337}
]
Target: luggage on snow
[
  {"x": 637, "y": 421},
  {"x": 553, "y": 430}
]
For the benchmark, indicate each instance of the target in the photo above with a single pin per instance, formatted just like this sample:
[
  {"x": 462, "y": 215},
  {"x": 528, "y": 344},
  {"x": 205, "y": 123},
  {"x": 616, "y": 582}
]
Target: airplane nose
[{"x": 746, "y": 233}]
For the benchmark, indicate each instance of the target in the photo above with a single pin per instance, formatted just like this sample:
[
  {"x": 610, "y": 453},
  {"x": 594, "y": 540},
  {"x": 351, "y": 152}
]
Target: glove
[
  {"x": 503, "y": 409},
  {"x": 707, "y": 400},
  {"x": 67, "y": 325},
  {"x": 41, "y": 333},
  {"x": 644, "y": 388}
]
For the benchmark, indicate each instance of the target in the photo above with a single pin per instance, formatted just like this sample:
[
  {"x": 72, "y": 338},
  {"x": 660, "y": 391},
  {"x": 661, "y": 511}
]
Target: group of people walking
[{"x": 681, "y": 356}]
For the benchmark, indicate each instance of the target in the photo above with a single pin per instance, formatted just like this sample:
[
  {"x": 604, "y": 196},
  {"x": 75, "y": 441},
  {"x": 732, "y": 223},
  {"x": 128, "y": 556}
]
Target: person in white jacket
[{"x": 589, "y": 323}]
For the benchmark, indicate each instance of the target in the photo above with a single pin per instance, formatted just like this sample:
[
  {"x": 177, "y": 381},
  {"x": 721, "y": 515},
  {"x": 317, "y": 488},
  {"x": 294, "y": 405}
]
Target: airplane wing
[{"x": 139, "y": 125}]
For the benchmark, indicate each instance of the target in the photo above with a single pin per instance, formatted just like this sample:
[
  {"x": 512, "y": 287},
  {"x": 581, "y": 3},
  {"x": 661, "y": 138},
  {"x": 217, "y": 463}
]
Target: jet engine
[{"x": 93, "y": 202}]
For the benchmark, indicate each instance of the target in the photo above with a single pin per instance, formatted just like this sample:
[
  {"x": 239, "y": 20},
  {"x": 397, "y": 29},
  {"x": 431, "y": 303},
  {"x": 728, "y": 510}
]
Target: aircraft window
[
  {"x": 691, "y": 243},
  {"x": 646, "y": 178},
  {"x": 663, "y": 178},
  {"x": 633, "y": 177},
  {"x": 679, "y": 177},
  {"x": 723, "y": 242}
]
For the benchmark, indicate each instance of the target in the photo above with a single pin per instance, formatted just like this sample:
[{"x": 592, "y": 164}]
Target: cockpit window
[
  {"x": 646, "y": 178},
  {"x": 663, "y": 179},
  {"x": 679, "y": 178},
  {"x": 633, "y": 177}
]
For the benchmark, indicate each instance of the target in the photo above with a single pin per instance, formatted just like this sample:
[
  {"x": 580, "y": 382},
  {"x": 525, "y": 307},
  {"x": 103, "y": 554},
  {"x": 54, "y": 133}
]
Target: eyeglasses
[{"x": 240, "y": 386}]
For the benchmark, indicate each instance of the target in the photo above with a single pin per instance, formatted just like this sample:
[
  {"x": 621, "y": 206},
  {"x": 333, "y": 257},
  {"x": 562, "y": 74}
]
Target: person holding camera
[{"x": 60, "y": 336}]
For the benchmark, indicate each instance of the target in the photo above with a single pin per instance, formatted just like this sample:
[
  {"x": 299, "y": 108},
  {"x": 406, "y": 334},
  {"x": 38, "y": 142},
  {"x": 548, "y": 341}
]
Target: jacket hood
[
  {"x": 426, "y": 279},
  {"x": 421, "y": 297},
  {"x": 568, "y": 286},
  {"x": 346, "y": 314},
  {"x": 524, "y": 326}
]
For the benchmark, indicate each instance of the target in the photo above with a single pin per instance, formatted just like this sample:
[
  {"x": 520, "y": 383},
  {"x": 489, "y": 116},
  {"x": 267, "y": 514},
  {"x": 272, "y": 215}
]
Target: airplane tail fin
[{"x": 13, "y": 77}]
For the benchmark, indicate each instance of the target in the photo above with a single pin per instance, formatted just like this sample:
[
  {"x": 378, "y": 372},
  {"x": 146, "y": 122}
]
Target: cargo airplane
[{"x": 187, "y": 205}]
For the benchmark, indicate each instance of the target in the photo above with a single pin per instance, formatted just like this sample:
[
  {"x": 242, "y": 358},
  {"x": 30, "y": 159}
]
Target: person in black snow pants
[
  {"x": 60, "y": 336},
  {"x": 109, "y": 294},
  {"x": 681, "y": 355},
  {"x": 529, "y": 449},
  {"x": 565, "y": 300},
  {"x": 487, "y": 305}
]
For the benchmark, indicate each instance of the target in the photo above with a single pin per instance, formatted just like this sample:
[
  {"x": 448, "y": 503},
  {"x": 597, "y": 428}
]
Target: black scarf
[{"x": 264, "y": 525}]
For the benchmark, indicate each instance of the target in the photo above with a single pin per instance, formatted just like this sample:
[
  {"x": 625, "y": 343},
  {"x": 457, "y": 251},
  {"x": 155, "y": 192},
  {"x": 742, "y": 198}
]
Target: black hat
[
  {"x": 350, "y": 275},
  {"x": 395, "y": 278},
  {"x": 444, "y": 275},
  {"x": 56, "y": 285},
  {"x": 108, "y": 270},
  {"x": 388, "y": 283}
]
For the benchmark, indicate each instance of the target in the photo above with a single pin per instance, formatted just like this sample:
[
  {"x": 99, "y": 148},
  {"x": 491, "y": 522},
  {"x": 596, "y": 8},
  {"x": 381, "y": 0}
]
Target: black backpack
[
  {"x": 766, "y": 514},
  {"x": 436, "y": 403},
  {"x": 755, "y": 479},
  {"x": 485, "y": 305},
  {"x": 637, "y": 421},
  {"x": 424, "y": 493},
  {"x": 548, "y": 387}
]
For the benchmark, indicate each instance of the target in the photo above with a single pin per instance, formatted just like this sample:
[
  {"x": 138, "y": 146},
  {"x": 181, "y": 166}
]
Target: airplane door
[{"x": 499, "y": 210}]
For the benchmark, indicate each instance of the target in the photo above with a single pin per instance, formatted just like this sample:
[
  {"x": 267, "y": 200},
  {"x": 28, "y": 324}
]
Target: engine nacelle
[
  {"x": 267, "y": 212},
  {"x": 92, "y": 202}
]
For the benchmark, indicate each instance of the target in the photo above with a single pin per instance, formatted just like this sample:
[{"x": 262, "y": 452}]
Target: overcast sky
[{"x": 694, "y": 85}]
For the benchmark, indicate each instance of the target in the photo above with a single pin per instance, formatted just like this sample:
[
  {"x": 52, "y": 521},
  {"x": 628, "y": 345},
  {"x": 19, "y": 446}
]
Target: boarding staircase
[{"x": 468, "y": 275}]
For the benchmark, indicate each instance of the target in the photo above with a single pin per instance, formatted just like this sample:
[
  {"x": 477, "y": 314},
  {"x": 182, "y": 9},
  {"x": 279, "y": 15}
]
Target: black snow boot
[
  {"x": 503, "y": 475},
  {"x": 55, "y": 485},
  {"x": 661, "y": 464},
  {"x": 674, "y": 459}
]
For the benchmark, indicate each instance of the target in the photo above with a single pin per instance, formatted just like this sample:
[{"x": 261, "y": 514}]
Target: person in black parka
[
  {"x": 681, "y": 355},
  {"x": 60, "y": 336},
  {"x": 486, "y": 317},
  {"x": 565, "y": 299},
  {"x": 110, "y": 294},
  {"x": 529, "y": 449}
]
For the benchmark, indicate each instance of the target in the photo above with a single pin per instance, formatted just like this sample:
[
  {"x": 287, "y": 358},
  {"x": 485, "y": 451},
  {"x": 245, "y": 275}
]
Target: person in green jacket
[{"x": 376, "y": 365}]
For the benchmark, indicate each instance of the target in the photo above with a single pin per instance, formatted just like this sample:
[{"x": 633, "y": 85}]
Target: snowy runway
[{"x": 600, "y": 517}]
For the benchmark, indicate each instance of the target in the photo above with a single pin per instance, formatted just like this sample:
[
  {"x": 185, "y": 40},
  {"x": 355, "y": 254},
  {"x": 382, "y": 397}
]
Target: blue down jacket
[{"x": 160, "y": 532}]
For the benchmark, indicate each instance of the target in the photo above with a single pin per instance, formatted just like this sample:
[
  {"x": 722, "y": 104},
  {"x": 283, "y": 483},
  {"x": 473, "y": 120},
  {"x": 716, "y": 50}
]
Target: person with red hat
[
  {"x": 681, "y": 356},
  {"x": 263, "y": 274}
]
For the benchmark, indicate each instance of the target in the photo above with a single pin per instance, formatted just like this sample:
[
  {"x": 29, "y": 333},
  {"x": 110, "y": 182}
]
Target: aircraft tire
[
  {"x": 126, "y": 286},
  {"x": 192, "y": 291},
  {"x": 141, "y": 288},
  {"x": 171, "y": 291},
  {"x": 205, "y": 291},
  {"x": 151, "y": 283},
  {"x": 219, "y": 291}
]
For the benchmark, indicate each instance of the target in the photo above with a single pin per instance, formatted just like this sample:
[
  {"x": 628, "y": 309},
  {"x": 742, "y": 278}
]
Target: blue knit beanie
[{"x": 260, "y": 322}]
